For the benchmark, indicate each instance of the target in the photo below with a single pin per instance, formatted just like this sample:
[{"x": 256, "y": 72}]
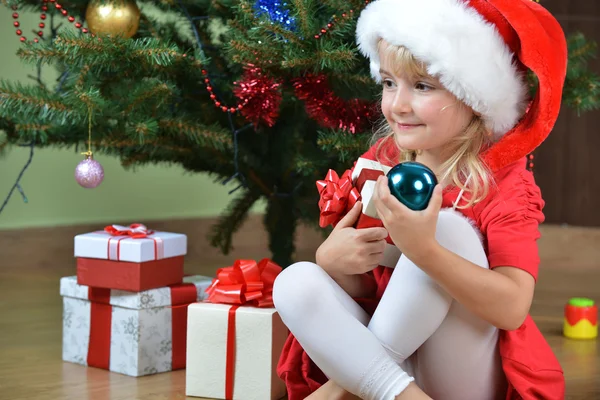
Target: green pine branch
[
  {"x": 214, "y": 137},
  {"x": 107, "y": 55},
  {"x": 346, "y": 145},
  {"x": 582, "y": 86},
  {"x": 22, "y": 103},
  {"x": 305, "y": 11},
  {"x": 230, "y": 221}
]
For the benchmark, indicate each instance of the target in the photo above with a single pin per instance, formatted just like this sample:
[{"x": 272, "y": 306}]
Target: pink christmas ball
[{"x": 89, "y": 173}]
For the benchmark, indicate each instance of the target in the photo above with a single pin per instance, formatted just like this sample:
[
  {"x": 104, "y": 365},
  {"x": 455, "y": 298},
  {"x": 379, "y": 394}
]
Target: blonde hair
[{"x": 464, "y": 169}]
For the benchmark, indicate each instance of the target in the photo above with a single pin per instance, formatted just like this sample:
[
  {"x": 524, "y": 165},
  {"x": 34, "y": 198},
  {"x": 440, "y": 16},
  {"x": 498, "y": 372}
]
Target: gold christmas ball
[{"x": 113, "y": 17}]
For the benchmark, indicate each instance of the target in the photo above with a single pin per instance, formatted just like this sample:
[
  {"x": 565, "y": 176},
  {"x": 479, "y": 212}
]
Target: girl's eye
[
  {"x": 423, "y": 87},
  {"x": 387, "y": 83}
]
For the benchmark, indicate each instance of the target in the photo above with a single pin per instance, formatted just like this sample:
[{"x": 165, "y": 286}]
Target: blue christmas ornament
[
  {"x": 277, "y": 12},
  {"x": 412, "y": 183}
]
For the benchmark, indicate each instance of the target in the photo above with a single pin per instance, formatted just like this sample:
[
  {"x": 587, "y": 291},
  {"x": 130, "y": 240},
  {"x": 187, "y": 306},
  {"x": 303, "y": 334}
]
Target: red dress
[{"x": 508, "y": 218}]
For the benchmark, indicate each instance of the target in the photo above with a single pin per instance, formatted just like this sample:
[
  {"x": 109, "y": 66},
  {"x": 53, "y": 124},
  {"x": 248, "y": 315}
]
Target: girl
[{"x": 451, "y": 319}]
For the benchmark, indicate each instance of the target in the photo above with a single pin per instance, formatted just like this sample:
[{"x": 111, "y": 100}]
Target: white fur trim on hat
[{"x": 464, "y": 51}]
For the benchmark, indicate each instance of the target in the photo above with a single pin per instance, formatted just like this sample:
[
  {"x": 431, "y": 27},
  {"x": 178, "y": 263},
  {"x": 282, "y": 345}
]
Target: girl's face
[{"x": 423, "y": 115}]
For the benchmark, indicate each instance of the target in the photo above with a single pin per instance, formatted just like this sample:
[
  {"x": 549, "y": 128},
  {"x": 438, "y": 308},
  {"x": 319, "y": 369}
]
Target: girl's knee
[
  {"x": 458, "y": 234},
  {"x": 299, "y": 287}
]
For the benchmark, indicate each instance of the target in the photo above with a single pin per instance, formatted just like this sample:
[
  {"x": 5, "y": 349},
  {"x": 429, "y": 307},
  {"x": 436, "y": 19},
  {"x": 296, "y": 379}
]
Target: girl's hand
[
  {"x": 413, "y": 232},
  {"x": 350, "y": 251}
]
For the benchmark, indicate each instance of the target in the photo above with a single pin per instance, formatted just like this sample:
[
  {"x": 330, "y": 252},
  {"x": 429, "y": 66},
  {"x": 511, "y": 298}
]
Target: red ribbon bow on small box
[
  {"x": 135, "y": 231},
  {"x": 337, "y": 197},
  {"x": 245, "y": 282}
]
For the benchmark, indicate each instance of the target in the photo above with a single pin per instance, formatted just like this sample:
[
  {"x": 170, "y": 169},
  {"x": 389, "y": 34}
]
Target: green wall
[{"x": 140, "y": 195}]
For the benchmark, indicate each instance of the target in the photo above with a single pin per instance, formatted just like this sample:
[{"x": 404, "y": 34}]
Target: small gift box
[
  {"x": 135, "y": 243},
  {"x": 131, "y": 333},
  {"x": 233, "y": 348},
  {"x": 339, "y": 194}
]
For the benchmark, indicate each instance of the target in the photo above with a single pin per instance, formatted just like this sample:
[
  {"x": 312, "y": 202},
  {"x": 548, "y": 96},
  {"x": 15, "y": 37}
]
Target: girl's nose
[{"x": 402, "y": 101}]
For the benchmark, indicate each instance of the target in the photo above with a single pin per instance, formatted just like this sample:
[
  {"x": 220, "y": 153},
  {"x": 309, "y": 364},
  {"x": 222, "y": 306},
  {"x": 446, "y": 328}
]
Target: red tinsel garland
[
  {"x": 262, "y": 97},
  {"x": 331, "y": 111}
]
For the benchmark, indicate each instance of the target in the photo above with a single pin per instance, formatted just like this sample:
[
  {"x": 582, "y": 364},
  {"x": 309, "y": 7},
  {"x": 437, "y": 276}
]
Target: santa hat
[{"x": 479, "y": 50}]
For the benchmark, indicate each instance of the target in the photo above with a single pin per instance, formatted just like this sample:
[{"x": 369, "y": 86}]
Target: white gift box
[
  {"x": 156, "y": 246},
  {"x": 138, "y": 336},
  {"x": 259, "y": 338}
]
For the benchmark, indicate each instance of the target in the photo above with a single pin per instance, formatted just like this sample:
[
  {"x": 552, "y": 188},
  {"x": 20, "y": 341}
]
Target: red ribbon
[
  {"x": 100, "y": 325},
  {"x": 134, "y": 231},
  {"x": 101, "y": 321},
  {"x": 244, "y": 283},
  {"x": 337, "y": 197}
]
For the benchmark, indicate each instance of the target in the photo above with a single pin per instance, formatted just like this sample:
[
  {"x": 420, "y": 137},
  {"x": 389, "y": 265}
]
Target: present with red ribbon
[
  {"x": 235, "y": 337},
  {"x": 134, "y": 243},
  {"x": 130, "y": 333},
  {"x": 338, "y": 196},
  {"x": 132, "y": 258}
]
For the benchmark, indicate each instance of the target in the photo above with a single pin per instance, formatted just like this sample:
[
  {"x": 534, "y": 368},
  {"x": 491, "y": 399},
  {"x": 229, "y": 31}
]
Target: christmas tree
[{"x": 269, "y": 94}]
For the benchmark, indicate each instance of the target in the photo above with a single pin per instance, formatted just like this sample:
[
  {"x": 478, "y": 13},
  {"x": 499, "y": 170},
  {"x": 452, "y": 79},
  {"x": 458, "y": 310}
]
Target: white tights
[{"x": 418, "y": 331}]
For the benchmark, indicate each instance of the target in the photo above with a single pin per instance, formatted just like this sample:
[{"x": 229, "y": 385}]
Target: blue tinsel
[{"x": 277, "y": 12}]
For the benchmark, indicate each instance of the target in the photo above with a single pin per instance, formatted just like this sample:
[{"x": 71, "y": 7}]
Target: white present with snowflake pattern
[{"x": 133, "y": 333}]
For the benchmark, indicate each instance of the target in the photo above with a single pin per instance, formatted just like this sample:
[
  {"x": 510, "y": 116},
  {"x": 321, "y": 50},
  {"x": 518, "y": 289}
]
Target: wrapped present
[
  {"x": 130, "y": 333},
  {"x": 235, "y": 338},
  {"x": 130, "y": 276},
  {"x": 135, "y": 243},
  {"x": 338, "y": 196}
]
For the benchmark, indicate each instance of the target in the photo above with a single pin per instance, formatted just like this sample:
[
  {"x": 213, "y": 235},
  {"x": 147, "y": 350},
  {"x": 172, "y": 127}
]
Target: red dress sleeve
[
  {"x": 510, "y": 221},
  {"x": 383, "y": 151}
]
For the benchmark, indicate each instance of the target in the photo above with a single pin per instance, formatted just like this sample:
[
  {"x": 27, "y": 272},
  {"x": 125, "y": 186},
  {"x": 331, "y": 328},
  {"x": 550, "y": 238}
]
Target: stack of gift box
[
  {"x": 126, "y": 309},
  {"x": 131, "y": 310}
]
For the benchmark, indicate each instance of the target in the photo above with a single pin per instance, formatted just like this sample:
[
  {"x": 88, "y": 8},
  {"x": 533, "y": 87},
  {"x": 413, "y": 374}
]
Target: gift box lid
[
  {"x": 160, "y": 297},
  {"x": 155, "y": 246}
]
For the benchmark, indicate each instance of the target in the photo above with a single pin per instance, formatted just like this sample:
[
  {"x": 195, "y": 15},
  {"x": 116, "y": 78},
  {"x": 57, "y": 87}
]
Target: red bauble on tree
[{"x": 261, "y": 96}]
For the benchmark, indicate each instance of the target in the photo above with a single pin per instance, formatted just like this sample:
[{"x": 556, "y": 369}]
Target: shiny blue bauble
[{"x": 412, "y": 183}]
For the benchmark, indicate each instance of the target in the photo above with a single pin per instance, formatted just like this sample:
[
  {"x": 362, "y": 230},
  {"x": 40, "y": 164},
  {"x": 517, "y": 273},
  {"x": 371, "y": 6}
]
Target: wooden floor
[{"x": 33, "y": 260}]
